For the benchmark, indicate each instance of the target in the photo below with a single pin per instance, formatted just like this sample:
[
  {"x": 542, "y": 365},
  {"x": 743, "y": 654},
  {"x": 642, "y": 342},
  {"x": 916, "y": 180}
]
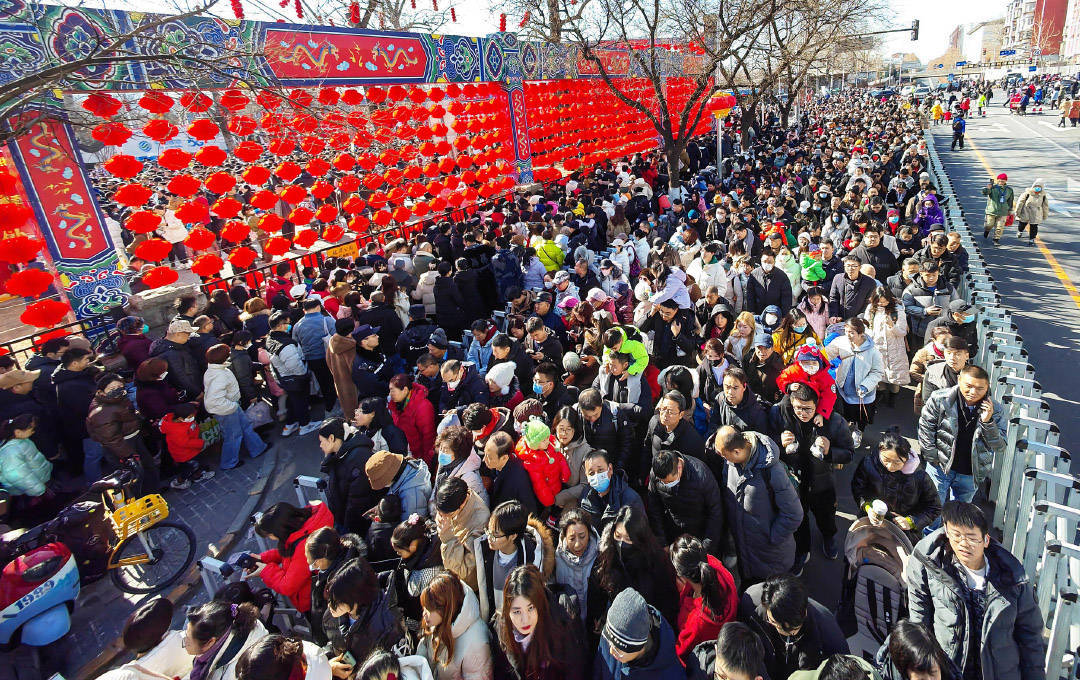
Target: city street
[{"x": 1036, "y": 282}]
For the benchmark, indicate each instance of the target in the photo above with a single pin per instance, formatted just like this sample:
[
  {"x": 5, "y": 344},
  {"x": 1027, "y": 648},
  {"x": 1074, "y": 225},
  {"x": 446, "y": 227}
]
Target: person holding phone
[{"x": 960, "y": 431}]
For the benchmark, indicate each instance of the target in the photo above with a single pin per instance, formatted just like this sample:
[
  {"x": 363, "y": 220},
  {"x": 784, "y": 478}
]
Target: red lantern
[
  {"x": 264, "y": 200},
  {"x": 256, "y": 175},
  {"x": 139, "y": 222},
  {"x": 242, "y": 258},
  {"x": 287, "y": 171},
  {"x": 328, "y": 96},
  {"x": 174, "y": 159},
  {"x": 8, "y": 183},
  {"x": 376, "y": 95},
  {"x": 101, "y": 105},
  {"x": 29, "y": 283},
  {"x": 306, "y": 238},
  {"x": 421, "y": 209},
  {"x": 277, "y": 245},
  {"x": 348, "y": 183},
  {"x": 153, "y": 250},
  {"x": 301, "y": 216},
  {"x": 111, "y": 134},
  {"x": 123, "y": 166},
  {"x": 374, "y": 180},
  {"x": 156, "y": 102},
  {"x": 196, "y": 102},
  {"x": 211, "y": 156},
  {"x": 207, "y": 265},
  {"x": 203, "y": 129},
  {"x": 344, "y": 162},
  {"x": 402, "y": 214},
  {"x": 351, "y": 96},
  {"x": 382, "y": 218},
  {"x": 235, "y": 232},
  {"x": 312, "y": 146},
  {"x": 183, "y": 185},
  {"x": 248, "y": 151},
  {"x": 322, "y": 190},
  {"x": 317, "y": 167},
  {"x": 44, "y": 313},
  {"x": 160, "y": 130},
  {"x": 293, "y": 194},
  {"x": 282, "y": 147},
  {"x": 198, "y": 238},
  {"x": 353, "y": 205},
  {"x": 156, "y": 277},
  {"x": 226, "y": 208},
  {"x": 132, "y": 195},
  {"x": 233, "y": 100},
  {"x": 326, "y": 213},
  {"x": 333, "y": 233},
  {"x": 359, "y": 223},
  {"x": 220, "y": 182},
  {"x": 271, "y": 222}
]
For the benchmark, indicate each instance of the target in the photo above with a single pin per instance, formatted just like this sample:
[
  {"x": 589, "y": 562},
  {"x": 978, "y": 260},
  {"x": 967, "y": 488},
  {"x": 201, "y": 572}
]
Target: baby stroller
[{"x": 874, "y": 594}]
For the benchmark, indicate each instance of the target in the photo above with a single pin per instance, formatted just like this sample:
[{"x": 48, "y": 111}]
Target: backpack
[{"x": 874, "y": 595}]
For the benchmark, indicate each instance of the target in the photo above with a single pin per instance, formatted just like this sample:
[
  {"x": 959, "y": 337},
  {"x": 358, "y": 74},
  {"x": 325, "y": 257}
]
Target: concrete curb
[{"x": 189, "y": 583}]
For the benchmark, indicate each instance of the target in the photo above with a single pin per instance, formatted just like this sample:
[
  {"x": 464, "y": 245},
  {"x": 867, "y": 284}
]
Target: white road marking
[
  {"x": 1059, "y": 207},
  {"x": 1072, "y": 186}
]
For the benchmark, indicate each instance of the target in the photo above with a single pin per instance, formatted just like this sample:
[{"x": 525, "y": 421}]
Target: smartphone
[{"x": 348, "y": 658}]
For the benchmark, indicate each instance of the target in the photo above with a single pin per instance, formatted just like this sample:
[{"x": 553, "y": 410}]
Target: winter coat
[
  {"x": 286, "y": 358},
  {"x": 999, "y": 200},
  {"x": 384, "y": 317},
  {"x": 926, "y": 218},
  {"x": 221, "y": 392},
  {"x": 909, "y": 492},
  {"x": 815, "y": 474},
  {"x": 573, "y": 571},
  {"x": 167, "y": 659},
  {"x": 184, "y": 372},
  {"x": 602, "y": 509},
  {"x": 319, "y": 602},
  {"x": 749, "y": 414},
  {"x": 567, "y": 654},
  {"x": 550, "y": 255},
  {"x": 891, "y": 343},
  {"x": 413, "y": 341},
  {"x": 340, "y": 355},
  {"x": 880, "y": 258},
  {"x": 547, "y": 470},
  {"x": 762, "y": 290},
  {"x": 135, "y": 348},
  {"x": 948, "y": 265},
  {"x": 1033, "y": 206},
  {"x": 23, "y": 469},
  {"x": 786, "y": 343},
  {"x": 1011, "y": 643},
  {"x": 155, "y": 398},
  {"x": 113, "y": 423},
  {"x": 917, "y": 297},
  {"x": 288, "y": 574},
  {"x": 468, "y": 469},
  {"x": 883, "y": 662},
  {"x": 377, "y": 626},
  {"x": 472, "y": 646},
  {"x": 695, "y": 623},
  {"x": 472, "y": 388},
  {"x": 763, "y": 510},
  {"x": 450, "y": 306},
  {"x": 416, "y": 418},
  {"x": 693, "y": 507},
  {"x": 848, "y": 298},
  {"x": 223, "y": 665},
  {"x": 411, "y": 576},
  {"x": 819, "y": 638},
  {"x": 821, "y": 382},
  {"x": 413, "y": 486},
  {"x": 243, "y": 369},
  {"x": 865, "y": 361},
  {"x": 459, "y": 538},
  {"x": 534, "y": 547},
  {"x": 182, "y": 438},
  {"x": 310, "y": 332},
  {"x": 424, "y": 293},
  {"x": 506, "y": 267},
  {"x": 74, "y": 392},
  {"x": 762, "y": 377},
  {"x": 512, "y": 483},
  {"x": 348, "y": 491},
  {"x": 574, "y": 453},
  {"x": 818, "y": 318},
  {"x": 939, "y": 424},
  {"x": 665, "y": 665}
]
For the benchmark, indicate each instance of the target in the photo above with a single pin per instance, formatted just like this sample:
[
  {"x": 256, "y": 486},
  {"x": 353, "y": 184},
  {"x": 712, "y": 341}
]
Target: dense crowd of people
[{"x": 582, "y": 434}]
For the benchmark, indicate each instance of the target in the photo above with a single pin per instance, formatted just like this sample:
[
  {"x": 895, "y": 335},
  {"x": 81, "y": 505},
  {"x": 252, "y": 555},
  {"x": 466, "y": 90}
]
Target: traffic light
[{"x": 915, "y": 30}]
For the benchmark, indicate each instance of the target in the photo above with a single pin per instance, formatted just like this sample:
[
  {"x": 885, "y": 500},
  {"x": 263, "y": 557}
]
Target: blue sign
[
  {"x": 1031, "y": 68},
  {"x": 961, "y": 63},
  {"x": 1007, "y": 53},
  {"x": 939, "y": 65}
]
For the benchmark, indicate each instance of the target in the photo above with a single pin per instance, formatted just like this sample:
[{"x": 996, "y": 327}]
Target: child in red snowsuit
[
  {"x": 547, "y": 467},
  {"x": 184, "y": 444},
  {"x": 809, "y": 356}
]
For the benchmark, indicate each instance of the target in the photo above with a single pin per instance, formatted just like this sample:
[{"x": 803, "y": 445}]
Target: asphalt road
[{"x": 1036, "y": 282}]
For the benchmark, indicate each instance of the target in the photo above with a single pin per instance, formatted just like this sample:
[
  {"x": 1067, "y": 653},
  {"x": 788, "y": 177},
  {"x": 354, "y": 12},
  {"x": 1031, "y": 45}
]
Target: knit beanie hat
[
  {"x": 628, "y": 622},
  {"x": 810, "y": 352},
  {"x": 502, "y": 374},
  {"x": 536, "y": 433}
]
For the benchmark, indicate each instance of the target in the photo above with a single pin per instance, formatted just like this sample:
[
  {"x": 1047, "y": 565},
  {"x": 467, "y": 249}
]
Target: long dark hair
[
  {"x": 913, "y": 648},
  {"x": 526, "y": 582},
  {"x": 213, "y": 619},
  {"x": 282, "y": 520},
  {"x": 882, "y": 292},
  {"x": 445, "y": 594},
  {"x": 691, "y": 562},
  {"x": 636, "y": 525},
  {"x": 274, "y": 657}
]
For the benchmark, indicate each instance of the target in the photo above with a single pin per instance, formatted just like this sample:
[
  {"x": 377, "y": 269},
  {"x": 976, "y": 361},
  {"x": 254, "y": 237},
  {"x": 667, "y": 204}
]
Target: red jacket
[
  {"x": 290, "y": 575},
  {"x": 416, "y": 418},
  {"x": 695, "y": 624},
  {"x": 821, "y": 382},
  {"x": 547, "y": 469},
  {"x": 181, "y": 438},
  {"x": 273, "y": 285}
]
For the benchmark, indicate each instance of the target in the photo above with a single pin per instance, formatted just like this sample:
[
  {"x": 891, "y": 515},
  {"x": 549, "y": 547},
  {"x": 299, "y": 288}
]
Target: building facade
[
  {"x": 982, "y": 41},
  {"x": 1034, "y": 26},
  {"x": 1070, "y": 43}
]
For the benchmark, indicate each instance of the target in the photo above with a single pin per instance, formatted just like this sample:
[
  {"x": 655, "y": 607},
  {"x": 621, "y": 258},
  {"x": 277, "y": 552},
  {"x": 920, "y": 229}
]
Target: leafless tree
[
  {"x": 418, "y": 16},
  {"x": 547, "y": 19}
]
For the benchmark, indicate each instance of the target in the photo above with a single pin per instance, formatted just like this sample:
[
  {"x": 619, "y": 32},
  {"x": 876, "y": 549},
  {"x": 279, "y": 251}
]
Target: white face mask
[
  {"x": 452, "y": 385},
  {"x": 767, "y": 266},
  {"x": 770, "y": 319},
  {"x": 809, "y": 368}
]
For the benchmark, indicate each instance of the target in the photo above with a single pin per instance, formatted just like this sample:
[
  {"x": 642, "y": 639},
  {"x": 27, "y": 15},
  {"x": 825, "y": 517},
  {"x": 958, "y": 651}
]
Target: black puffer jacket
[
  {"x": 815, "y": 474},
  {"x": 750, "y": 414},
  {"x": 413, "y": 341},
  {"x": 348, "y": 491},
  {"x": 184, "y": 372},
  {"x": 652, "y": 576},
  {"x": 377, "y": 626},
  {"x": 819, "y": 638},
  {"x": 319, "y": 580},
  {"x": 684, "y": 439},
  {"x": 470, "y": 389},
  {"x": 450, "y": 306},
  {"x": 602, "y": 509},
  {"x": 614, "y": 433},
  {"x": 693, "y": 507},
  {"x": 909, "y": 492}
]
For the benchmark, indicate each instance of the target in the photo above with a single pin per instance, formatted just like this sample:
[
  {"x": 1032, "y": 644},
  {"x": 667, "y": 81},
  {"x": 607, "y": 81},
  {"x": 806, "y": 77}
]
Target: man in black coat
[
  {"x": 505, "y": 348},
  {"x": 509, "y": 479},
  {"x": 16, "y": 398},
  {"x": 849, "y": 293},
  {"x": 670, "y": 430},
  {"x": 960, "y": 320},
  {"x": 184, "y": 371},
  {"x": 583, "y": 277},
  {"x": 673, "y": 335},
  {"x": 610, "y": 427},
  {"x": 382, "y": 316},
  {"x": 462, "y": 385},
  {"x": 348, "y": 492},
  {"x": 766, "y": 286},
  {"x": 737, "y": 406},
  {"x": 75, "y": 389},
  {"x": 685, "y": 499},
  {"x": 413, "y": 341},
  {"x": 450, "y": 304},
  {"x": 873, "y": 252},
  {"x": 468, "y": 282},
  {"x": 553, "y": 395},
  {"x": 47, "y": 360}
]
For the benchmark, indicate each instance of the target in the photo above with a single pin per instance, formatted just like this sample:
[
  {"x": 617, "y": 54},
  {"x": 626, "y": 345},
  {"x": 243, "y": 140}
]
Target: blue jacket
[
  {"x": 309, "y": 331},
  {"x": 413, "y": 487},
  {"x": 479, "y": 354},
  {"x": 665, "y": 665},
  {"x": 23, "y": 470},
  {"x": 506, "y": 267}
]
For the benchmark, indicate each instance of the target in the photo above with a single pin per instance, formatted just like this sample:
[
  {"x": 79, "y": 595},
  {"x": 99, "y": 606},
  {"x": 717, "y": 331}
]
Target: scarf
[{"x": 203, "y": 663}]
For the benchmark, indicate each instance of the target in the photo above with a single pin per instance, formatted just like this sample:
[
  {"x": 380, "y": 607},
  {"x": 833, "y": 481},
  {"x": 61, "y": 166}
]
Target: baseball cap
[
  {"x": 763, "y": 339},
  {"x": 365, "y": 330},
  {"x": 180, "y": 326},
  {"x": 561, "y": 275},
  {"x": 298, "y": 291}
]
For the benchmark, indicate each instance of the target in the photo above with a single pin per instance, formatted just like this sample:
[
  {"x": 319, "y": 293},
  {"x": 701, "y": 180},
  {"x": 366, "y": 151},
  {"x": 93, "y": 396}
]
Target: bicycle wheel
[{"x": 153, "y": 559}]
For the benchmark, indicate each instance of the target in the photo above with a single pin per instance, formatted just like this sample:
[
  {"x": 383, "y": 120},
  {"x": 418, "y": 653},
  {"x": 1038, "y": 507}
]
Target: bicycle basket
[{"x": 138, "y": 515}]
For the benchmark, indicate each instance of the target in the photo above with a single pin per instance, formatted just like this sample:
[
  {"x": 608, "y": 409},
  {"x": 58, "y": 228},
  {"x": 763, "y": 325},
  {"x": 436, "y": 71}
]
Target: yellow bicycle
[{"x": 147, "y": 551}]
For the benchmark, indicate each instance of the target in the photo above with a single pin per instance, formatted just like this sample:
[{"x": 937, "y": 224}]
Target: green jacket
[
  {"x": 812, "y": 271},
  {"x": 999, "y": 200},
  {"x": 634, "y": 348},
  {"x": 551, "y": 255},
  {"x": 23, "y": 469}
]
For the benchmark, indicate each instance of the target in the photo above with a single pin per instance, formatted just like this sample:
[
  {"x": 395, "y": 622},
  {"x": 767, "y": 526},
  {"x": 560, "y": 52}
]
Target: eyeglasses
[{"x": 803, "y": 409}]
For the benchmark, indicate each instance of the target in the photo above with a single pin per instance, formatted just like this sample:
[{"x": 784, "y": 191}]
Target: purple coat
[
  {"x": 135, "y": 348},
  {"x": 927, "y": 217},
  {"x": 155, "y": 398}
]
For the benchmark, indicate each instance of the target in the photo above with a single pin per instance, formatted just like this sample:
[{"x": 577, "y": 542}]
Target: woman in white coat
[
  {"x": 861, "y": 369},
  {"x": 887, "y": 325},
  {"x": 1032, "y": 210},
  {"x": 455, "y": 640},
  {"x": 216, "y": 634}
]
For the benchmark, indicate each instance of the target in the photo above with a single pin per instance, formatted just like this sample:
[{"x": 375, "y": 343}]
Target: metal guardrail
[{"x": 1035, "y": 495}]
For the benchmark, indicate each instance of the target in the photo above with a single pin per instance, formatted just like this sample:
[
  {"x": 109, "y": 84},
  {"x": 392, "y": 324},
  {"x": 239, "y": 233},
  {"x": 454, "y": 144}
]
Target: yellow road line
[{"x": 1055, "y": 266}]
